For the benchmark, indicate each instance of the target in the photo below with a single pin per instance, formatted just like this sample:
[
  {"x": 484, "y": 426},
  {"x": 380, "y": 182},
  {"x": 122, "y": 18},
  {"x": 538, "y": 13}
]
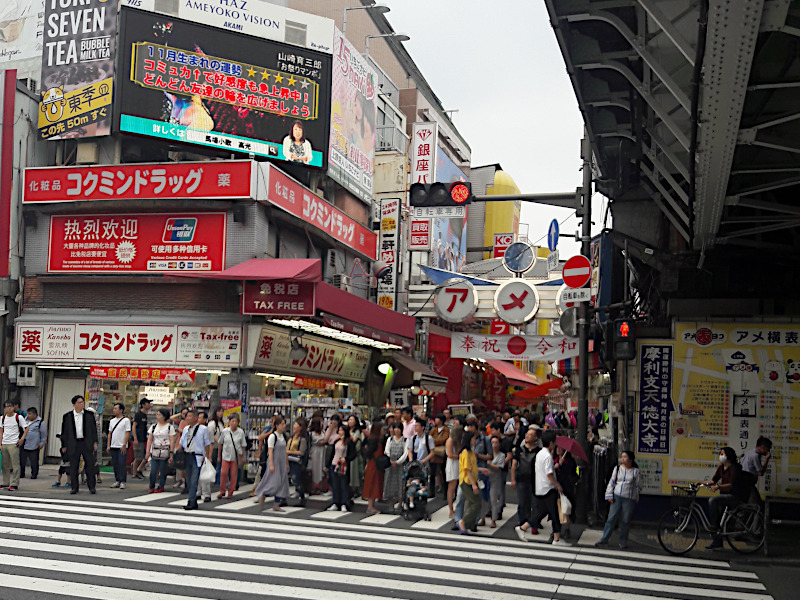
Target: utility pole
[{"x": 584, "y": 322}]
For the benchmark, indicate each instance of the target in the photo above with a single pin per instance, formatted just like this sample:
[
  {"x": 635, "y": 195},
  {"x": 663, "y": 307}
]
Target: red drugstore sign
[
  {"x": 279, "y": 299},
  {"x": 215, "y": 180},
  {"x": 285, "y": 193},
  {"x": 137, "y": 243},
  {"x": 142, "y": 374}
]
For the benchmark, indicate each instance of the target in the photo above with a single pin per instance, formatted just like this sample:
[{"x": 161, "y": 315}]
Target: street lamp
[
  {"x": 396, "y": 36},
  {"x": 378, "y": 8}
]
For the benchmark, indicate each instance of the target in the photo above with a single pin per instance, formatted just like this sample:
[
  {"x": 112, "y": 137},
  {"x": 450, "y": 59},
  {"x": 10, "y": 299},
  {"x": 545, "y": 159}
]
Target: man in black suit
[{"x": 79, "y": 438}]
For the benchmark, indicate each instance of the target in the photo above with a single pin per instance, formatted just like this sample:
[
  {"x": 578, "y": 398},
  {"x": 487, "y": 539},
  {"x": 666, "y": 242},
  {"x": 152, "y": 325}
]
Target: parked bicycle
[{"x": 679, "y": 528}]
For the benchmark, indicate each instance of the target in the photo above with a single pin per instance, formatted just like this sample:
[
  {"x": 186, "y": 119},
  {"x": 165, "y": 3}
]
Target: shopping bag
[
  {"x": 566, "y": 505},
  {"x": 207, "y": 472},
  {"x": 562, "y": 518}
]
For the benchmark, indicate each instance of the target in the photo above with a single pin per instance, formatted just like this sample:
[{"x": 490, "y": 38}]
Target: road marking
[
  {"x": 152, "y": 497},
  {"x": 438, "y": 520},
  {"x": 44, "y": 587},
  {"x": 381, "y": 519}
]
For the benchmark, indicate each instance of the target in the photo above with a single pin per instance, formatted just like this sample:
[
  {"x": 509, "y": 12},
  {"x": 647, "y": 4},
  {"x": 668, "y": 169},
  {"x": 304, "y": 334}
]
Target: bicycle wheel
[
  {"x": 677, "y": 531},
  {"x": 745, "y": 530}
]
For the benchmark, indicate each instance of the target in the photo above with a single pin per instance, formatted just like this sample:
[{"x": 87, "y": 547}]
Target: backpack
[
  {"x": 527, "y": 463},
  {"x": 16, "y": 418}
]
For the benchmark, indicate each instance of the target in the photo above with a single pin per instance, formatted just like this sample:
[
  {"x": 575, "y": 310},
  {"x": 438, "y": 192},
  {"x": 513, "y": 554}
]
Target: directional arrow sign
[
  {"x": 552, "y": 236},
  {"x": 577, "y": 271}
]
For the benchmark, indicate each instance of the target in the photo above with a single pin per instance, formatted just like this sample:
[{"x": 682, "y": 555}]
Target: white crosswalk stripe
[{"x": 86, "y": 549}]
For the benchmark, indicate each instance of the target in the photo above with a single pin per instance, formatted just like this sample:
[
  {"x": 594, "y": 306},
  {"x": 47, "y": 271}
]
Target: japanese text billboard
[
  {"x": 285, "y": 193},
  {"x": 78, "y": 57},
  {"x": 389, "y": 251},
  {"x": 279, "y": 298},
  {"x": 136, "y": 243},
  {"x": 717, "y": 385},
  {"x": 546, "y": 348},
  {"x": 195, "y": 84},
  {"x": 325, "y": 358},
  {"x": 353, "y": 113},
  {"x": 137, "y": 344},
  {"x": 222, "y": 180},
  {"x": 424, "y": 137}
]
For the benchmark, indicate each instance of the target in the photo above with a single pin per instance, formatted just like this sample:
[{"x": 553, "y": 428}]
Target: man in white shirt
[
  {"x": 13, "y": 430},
  {"x": 547, "y": 488},
  {"x": 420, "y": 446},
  {"x": 119, "y": 436}
]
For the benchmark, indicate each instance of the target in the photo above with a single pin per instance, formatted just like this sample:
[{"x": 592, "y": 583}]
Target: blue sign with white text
[{"x": 552, "y": 236}]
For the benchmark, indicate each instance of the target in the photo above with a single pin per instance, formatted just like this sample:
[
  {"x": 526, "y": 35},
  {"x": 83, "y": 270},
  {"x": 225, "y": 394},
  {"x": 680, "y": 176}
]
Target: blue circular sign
[{"x": 552, "y": 235}]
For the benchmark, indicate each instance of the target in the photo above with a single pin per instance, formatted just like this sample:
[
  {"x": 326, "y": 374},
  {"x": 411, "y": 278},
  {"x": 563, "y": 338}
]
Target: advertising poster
[
  {"x": 195, "y": 84},
  {"x": 715, "y": 385},
  {"x": 389, "y": 251},
  {"x": 78, "y": 57},
  {"x": 354, "y": 105},
  {"x": 136, "y": 243},
  {"x": 21, "y": 25},
  {"x": 448, "y": 236}
]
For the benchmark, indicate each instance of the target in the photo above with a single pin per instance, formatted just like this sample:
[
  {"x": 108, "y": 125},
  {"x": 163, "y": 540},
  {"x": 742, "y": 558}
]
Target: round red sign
[{"x": 577, "y": 271}]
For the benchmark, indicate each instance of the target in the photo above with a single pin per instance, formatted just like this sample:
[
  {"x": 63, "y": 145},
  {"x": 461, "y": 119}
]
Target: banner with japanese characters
[
  {"x": 78, "y": 57},
  {"x": 424, "y": 137},
  {"x": 289, "y": 195},
  {"x": 543, "y": 348},
  {"x": 716, "y": 385},
  {"x": 137, "y": 243},
  {"x": 279, "y": 298},
  {"x": 195, "y": 84},
  {"x": 128, "y": 344},
  {"x": 389, "y": 251},
  {"x": 21, "y": 26},
  {"x": 325, "y": 357},
  {"x": 217, "y": 180},
  {"x": 354, "y": 105}
]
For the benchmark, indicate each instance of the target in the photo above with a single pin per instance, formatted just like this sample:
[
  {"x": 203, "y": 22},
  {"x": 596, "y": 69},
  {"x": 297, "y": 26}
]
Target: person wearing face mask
[
  {"x": 728, "y": 481},
  {"x": 623, "y": 494}
]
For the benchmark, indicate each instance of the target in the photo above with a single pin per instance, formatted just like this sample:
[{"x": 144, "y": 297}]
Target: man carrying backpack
[
  {"x": 523, "y": 471},
  {"x": 13, "y": 431}
]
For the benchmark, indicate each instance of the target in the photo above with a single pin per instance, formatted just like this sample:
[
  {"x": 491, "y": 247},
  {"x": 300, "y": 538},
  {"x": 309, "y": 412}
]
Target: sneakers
[
  {"x": 139, "y": 475},
  {"x": 600, "y": 543},
  {"x": 520, "y": 533},
  {"x": 151, "y": 490},
  {"x": 123, "y": 485},
  {"x": 116, "y": 484},
  {"x": 12, "y": 488},
  {"x": 333, "y": 507},
  {"x": 343, "y": 509},
  {"x": 561, "y": 543},
  {"x": 158, "y": 490},
  {"x": 56, "y": 484},
  {"x": 207, "y": 499}
]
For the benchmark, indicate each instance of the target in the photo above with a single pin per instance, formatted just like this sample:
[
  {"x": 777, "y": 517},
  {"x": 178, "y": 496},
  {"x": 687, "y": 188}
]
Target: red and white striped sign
[{"x": 577, "y": 271}]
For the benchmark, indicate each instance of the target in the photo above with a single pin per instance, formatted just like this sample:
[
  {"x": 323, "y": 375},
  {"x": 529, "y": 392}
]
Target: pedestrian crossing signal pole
[{"x": 584, "y": 323}]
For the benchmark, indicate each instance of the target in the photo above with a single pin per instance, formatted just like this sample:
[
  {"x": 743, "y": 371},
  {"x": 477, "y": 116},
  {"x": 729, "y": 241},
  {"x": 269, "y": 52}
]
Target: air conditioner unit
[
  {"x": 341, "y": 281},
  {"x": 334, "y": 263}
]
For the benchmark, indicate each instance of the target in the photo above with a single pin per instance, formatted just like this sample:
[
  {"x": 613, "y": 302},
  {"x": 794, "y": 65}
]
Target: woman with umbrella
[{"x": 566, "y": 475}]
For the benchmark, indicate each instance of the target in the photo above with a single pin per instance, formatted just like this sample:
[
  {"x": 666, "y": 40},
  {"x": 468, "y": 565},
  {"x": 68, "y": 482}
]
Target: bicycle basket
[{"x": 682, "y": 496}]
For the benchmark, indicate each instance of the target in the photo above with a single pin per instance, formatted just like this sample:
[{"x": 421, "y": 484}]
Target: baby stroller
[{"x": 415, "y": 500}]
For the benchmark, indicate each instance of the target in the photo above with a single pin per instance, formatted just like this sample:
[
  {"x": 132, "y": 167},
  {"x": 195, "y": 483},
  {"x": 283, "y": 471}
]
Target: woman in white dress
[{"x": 316, "y": 455}]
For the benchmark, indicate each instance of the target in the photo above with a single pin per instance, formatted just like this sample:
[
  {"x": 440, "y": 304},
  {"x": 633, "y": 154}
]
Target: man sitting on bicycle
[{"x": 728, "y": 481}]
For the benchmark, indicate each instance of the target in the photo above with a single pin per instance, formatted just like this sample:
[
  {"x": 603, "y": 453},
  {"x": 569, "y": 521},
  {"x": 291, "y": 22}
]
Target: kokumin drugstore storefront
[{"x": 174, "y": 366}]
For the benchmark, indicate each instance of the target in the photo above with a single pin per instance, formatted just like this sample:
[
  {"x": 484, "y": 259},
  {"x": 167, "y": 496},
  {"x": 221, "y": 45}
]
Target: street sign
[
  {"x": 576, "y": 295},
  {"x": 552, "y": 236},
  {"x": 577, "y": 271},
  {"x": 439, "y": 212},
  {"x": 501, "y": 242},
  {"x": 552, "y": 261},
  {"x": 516, "y": 301},
  {"x": 569, "y": 322}
]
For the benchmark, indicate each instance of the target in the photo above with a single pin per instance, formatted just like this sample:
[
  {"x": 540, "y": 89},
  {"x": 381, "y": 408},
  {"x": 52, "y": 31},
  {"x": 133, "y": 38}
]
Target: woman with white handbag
[{"x": 160, "y": 445}]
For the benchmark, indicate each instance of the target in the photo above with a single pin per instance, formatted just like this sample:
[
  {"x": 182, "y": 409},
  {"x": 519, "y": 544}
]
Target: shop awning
[
  {"x": 268, "y": 269},
  {"x": 538, "y": 391},
  {"x": 338, "y": 302},
  {"x": 413, "y": 372},
  {"x": 512, "y": 373}
]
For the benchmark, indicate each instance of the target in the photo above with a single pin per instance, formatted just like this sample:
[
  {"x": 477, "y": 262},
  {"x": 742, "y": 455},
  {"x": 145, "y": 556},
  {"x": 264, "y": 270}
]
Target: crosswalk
[{"x": 138, "y": 550}]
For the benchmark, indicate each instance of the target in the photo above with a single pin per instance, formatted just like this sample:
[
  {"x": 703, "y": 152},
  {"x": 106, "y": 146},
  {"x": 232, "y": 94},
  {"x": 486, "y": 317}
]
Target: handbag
[
  {"x": 566, "y": 505},
  {"x": 179, "y": 459},
  {"x": 161, "y": 452},
  {"x": 382, "y": 462},
  {"x": 239, "y": 457}
]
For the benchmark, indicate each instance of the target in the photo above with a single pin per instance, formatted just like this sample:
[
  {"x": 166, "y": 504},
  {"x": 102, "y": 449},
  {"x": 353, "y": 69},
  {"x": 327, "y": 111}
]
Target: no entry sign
[{"x": 577, "y": 271}]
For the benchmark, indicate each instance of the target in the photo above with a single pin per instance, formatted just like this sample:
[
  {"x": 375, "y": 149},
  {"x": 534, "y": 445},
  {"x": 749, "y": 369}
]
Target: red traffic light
[
  {"x": 460, "y": 192},
  {"x": 624, "y": 329}
]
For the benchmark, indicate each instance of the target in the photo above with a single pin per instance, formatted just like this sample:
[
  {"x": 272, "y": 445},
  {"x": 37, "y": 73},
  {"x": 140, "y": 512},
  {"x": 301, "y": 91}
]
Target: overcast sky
[{"x": 499, "y": 64}]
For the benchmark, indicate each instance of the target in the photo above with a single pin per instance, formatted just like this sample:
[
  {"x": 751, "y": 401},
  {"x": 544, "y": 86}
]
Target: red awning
[
  {"x": 538, "y": 391},
  {"x": 338, "y": 302},
  {"x": 268, "y": 269},
  {"x": 512, "y": 373}
]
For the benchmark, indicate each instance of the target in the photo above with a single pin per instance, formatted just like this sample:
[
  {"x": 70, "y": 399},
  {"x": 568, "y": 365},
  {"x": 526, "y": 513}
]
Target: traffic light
[
  {"x": 458, "y": 193},
  {"x": 624, "y": 340}
]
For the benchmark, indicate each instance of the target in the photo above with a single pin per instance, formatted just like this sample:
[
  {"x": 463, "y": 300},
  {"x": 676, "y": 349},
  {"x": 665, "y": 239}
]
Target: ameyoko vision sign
[{"x": 137, "y": 243}]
